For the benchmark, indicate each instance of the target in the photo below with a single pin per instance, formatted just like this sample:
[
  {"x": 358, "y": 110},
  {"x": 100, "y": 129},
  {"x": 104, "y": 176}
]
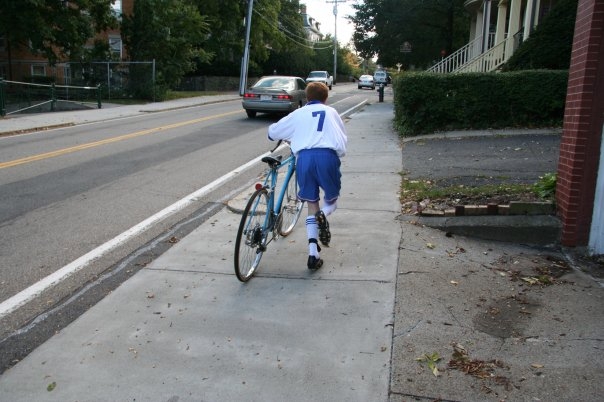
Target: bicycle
[{"x": 267, "y": 214}]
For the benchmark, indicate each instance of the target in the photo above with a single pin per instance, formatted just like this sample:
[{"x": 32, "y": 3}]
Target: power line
[{"x": 292, "y": 36}]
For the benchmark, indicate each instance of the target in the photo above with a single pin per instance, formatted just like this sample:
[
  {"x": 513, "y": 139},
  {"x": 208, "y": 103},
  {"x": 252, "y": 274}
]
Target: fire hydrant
[{"x": 381, "y": 92}]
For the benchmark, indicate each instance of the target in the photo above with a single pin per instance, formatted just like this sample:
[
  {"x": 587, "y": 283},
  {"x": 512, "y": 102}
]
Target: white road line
[{"x": 28, "y": 294}]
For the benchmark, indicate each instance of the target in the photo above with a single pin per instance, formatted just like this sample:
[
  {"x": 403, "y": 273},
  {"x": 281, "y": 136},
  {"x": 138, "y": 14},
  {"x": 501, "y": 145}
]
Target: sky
[{"x": 322, "y": 11}]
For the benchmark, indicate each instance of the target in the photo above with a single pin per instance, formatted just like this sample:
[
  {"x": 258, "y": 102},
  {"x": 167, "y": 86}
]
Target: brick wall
[{"x": 582, "y": 130}]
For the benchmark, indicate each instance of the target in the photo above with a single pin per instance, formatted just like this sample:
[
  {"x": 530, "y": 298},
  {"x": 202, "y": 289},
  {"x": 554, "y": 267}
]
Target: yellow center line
[{"x": 81, "y": 147}]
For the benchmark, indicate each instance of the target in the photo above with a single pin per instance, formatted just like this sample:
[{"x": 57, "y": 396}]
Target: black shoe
[
  {"x": 314, "y": 262},
  {"x": 324, "y": 233}
]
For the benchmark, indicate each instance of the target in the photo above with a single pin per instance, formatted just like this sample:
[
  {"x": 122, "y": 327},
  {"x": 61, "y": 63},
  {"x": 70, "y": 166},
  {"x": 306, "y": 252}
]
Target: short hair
[{"x": 316, "y": 91}]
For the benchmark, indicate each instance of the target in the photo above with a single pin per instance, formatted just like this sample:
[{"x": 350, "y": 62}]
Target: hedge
[{"x": 430, "y": 102}]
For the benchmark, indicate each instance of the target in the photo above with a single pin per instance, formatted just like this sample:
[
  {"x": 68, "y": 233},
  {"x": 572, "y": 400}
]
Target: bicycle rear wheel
[
  {"x": 291, "y": 207},
  {"x": 252, "y": 235}
]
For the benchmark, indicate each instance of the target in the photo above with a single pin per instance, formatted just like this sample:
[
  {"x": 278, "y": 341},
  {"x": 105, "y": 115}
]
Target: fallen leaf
[
  {"x": 531, "y": 280},
  {"x": 454, "y": 283},
  {"x": 431, "y": 360},
  {"x": 51, "y": 386},
  {"x": 430, "y": 245},
  {"x": 536, "y": 365}
]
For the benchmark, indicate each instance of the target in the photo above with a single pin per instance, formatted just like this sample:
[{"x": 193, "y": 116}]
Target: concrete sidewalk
[
  {"x": 399, "y": 312},
  {"x": 27, "y": 122},
  {"x": 184, "y": 328}
]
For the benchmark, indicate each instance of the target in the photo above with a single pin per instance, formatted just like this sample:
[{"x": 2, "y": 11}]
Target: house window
[
  {"x": 67, "y": 74},
  {"x": 116, "y": 9},
  {"x": 38, "y": 70},
  {"x": 115, "y": 44}
]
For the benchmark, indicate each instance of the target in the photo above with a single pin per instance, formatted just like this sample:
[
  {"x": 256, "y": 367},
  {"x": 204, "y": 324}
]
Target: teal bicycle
[{"x": 272, "y": 211}]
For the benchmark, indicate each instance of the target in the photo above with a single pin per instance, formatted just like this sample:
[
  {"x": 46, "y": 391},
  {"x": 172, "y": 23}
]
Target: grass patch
[
  {"x": 421, "y": 189},
  {"x": 172, "y": 95}
]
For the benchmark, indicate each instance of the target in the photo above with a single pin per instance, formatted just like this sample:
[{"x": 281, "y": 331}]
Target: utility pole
[
  {"x": 246, "y": 50},
  {"x": 335, "y": 37}
]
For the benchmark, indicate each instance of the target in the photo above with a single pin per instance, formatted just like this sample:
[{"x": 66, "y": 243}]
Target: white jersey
[{"x": 315, "y": 125}]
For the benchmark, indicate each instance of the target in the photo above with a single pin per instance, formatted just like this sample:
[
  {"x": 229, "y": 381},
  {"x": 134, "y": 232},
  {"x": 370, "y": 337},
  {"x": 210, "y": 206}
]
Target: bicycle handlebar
[{"x": 277, "y": 146}]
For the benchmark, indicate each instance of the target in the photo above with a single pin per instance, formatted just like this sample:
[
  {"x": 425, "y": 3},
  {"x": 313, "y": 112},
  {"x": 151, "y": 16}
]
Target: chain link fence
[
  {"x": 22, "y": 97},
  {"x": 39, "y": 87}
]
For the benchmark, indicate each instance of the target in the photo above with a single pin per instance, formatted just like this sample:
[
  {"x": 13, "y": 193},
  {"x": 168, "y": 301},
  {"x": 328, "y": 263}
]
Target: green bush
[
  {"x": 429, "y": 102},
  {"x": 546, "y": 186}
]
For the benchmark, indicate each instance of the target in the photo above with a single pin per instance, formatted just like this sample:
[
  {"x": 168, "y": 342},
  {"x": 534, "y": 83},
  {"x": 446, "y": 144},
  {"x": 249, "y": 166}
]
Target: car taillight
[
  {"x": 284, "y": 97},
  {"x": 248, "y": 95}
]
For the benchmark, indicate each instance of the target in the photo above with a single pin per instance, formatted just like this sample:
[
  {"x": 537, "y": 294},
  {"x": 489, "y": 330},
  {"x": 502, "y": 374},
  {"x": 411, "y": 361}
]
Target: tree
[
  {"x": 382, "y": 27},
  {"x": 55, "y": 29},
  {"x": 291, "y": 52},
  {"x": 226, "y": 39},
  {"x": 550, "y": 45},
  {"x": 171, "y": 32}
]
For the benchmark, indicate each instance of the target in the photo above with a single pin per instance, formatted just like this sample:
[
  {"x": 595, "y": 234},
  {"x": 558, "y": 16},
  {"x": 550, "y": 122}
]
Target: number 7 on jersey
[{"x": 321, "y": 114}]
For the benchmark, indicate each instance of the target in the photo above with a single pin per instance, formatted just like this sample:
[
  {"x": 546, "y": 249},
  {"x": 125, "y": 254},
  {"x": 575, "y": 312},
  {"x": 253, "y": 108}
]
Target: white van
[{"x": 380, "y": 77}]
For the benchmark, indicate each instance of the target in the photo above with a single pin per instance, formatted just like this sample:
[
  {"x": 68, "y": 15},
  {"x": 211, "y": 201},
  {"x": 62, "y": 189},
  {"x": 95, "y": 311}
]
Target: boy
[{"x": 318, "y": 139}]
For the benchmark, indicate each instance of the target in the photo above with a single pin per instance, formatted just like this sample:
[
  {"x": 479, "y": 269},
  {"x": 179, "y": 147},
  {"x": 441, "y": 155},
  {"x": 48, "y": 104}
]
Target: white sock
[
  {"x": 328, "y": 209},
  {"x": 313, "y": 250},
  {"x": 312, "y": 232}
]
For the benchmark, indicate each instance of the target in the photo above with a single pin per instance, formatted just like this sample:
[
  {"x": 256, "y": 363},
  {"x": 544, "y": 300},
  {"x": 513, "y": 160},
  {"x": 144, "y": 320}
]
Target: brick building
[{"x": 25, "y": 66}]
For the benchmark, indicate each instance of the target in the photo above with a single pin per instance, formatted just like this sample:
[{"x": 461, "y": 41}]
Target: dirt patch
[{"x": 507, "y": 317}]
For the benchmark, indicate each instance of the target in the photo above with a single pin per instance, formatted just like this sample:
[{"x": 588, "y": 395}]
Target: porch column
[
  {"x": 529, "y": 18},
  {"x": 486, "y": 21},
  {"x": 513, "y": 27},
  {"x": 477, "y": 48},
  {"x": 502, "y": 13}
]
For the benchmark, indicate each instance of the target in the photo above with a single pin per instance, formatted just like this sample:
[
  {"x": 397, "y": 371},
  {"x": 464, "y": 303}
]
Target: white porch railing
[
  {"x": 488, "y": 61},
  {"x": 458, "y": 58},
  {"x": 469, "y": 59}
]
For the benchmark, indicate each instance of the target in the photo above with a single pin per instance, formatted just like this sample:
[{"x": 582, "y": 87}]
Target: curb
[
  {"x": 542, "y": 230},
  {"x": 513, "y": 208}
]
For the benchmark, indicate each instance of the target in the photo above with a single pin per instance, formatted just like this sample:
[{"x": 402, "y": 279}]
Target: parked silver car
[
  {"x": 366, "y": 81},
  {"x": 275, "y": 94}
]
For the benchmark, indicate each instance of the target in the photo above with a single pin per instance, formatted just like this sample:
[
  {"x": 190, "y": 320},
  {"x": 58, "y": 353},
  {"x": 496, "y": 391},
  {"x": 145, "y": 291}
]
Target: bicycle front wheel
[
  {"x": 252, "y": 235},
  {"x": 291, "y": 207}
]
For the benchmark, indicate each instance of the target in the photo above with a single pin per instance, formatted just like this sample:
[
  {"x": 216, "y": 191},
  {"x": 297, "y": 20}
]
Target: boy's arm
[{"x": 280, "y": 130}]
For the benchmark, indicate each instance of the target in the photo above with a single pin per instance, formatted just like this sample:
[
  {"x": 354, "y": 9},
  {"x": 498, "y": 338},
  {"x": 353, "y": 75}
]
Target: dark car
[{"x": 275, "y": 94}]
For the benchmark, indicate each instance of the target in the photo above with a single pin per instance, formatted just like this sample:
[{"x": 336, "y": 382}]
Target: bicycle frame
[{"x": 270, "y": 183}]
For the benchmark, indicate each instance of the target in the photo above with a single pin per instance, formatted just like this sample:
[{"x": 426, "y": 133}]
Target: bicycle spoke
[
  {"x": 291, "y": 207},
  {"x": 252, "y": 236}
]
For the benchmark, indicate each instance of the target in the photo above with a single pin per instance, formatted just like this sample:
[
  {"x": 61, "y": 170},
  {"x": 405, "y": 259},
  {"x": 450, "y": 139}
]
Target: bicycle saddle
[{"x": 272, "y": 162}]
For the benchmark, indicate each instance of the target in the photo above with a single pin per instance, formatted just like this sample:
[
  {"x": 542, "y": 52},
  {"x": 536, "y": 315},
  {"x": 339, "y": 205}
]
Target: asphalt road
[{"x": 495, "y": 159}]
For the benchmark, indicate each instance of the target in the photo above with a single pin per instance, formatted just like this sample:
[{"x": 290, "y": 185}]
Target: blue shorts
[{"x": 318, "y": 167}]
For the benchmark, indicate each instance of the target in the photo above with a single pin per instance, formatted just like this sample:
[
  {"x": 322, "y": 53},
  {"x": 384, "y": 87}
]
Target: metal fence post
[
  {"x": 98, "y": 95},
  {"x": 2, "y": 105},
  {"x": 53, "y": 97}
]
